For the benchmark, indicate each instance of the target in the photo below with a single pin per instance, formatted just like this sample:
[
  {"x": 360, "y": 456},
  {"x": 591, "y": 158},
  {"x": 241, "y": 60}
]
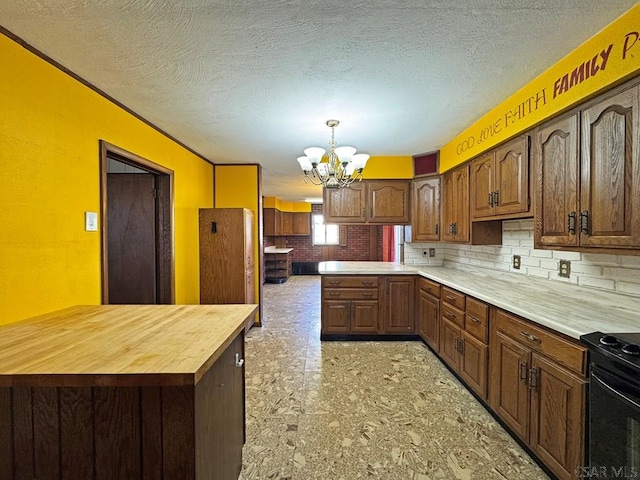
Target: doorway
[{"x": 137, "y": 230}]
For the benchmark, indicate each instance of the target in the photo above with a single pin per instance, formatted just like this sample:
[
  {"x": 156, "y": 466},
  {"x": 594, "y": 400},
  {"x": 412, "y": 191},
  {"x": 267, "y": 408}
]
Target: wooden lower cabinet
[
  {"x": 428, "y": 308},
  {"x": 538, "y": 387},
  {"x": 367, "y": 304},
  {"x": 463, "y": 343}
]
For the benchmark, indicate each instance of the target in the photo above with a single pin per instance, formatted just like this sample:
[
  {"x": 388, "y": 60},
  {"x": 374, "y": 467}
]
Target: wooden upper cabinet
[
  {"x": 277, "y": 223},
  {"x": 344, "y": 205},
  {"x": 556, "y": 179},
  {"x": 610, "y": 172},
  {"x": 482, "y": 186},
  {"x": 388, "y": 201},
  {"x": 301, "y": 223},
  {"x": 500, "y": 181},
  {"x": 425, "y": 210},
  {"x": 384, "y": 202},
  {"x": 455, "y": 205}
]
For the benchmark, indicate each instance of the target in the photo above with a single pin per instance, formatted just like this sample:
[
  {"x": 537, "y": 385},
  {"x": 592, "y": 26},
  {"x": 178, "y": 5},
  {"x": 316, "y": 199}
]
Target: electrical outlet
[
  {"x": 432, "y": 252},
  {"x": 425, "y": 253},
  {"x": 564, "y": 268},
  {"x": 516, "y": 262}
]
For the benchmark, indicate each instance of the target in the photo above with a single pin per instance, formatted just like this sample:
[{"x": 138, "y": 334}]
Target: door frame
[{"x": 165, "y": 267}]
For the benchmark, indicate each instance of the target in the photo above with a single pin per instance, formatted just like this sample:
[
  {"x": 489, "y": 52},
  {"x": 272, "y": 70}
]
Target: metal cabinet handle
[
  {"x": 239, "y": 361},
  {"x": 490, "y": 199},
  {"x": 523, "y": 372},
  {"x": 571, "y": 223},
  {"x": 533, "y": 379},
  {"x": 455, "y": 228},
  {"x": 450, "y": 314},
  {"x": 584, "y": 222},
  {"x": 461, "y": 345},
  {"x": 531, "y": 338},
  {"x": 437, "y": 229},
  {"x": 334, "y": 282},
  {"x": 496, "y": 198},
  {"x": 367, "y": 282},
  {"x": 474, "y": 319},
  {"x": 451, "y": 229},
  {"x": 365, "y": 294},
  {"x": 334, "y": 294},
  {"x": 450, "y": 298}
]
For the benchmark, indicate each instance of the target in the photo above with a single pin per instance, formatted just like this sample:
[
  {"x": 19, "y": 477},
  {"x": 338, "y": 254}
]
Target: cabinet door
[
  {"x": 556, "y": 171},
  {"x": 482, "y": 186},
  {"x": 455, "y": 205},
  {"x": 429, "y": 320},
  {"x": 461, "y": 205},
  {"x": 512, "y": 177},
  {"x": 449, "y": 341},
  {"x": 425, "y": 208},
  {"x": 364, "y": 316},
  {"x": 344, "y": 205},
  {"x": 388, "y": 201},
  {"x": 287, "y": 223},
  {"x": 219, "y": 405},
  {"x": 269, "y": 219},
  {"x": 399, "y": 300},
  {"x": 509, "y": 391},
  {"x": 473, "y": 365},
  {"x": 301, "y": 223},
  {"x": 336, "y": 316},
  {"x": 557, "y": 416},
  {"x": 610, "y": 172}
]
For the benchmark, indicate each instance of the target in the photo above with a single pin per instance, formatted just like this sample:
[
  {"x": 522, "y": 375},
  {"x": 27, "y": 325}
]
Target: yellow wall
[
  {"x": 609, "y": 57},
  {"x": 284, "y": 206},
  {"x": 389, "y": 167},
  {"x": 49, "y": 132},
  {"x": 237, "y": 186}
]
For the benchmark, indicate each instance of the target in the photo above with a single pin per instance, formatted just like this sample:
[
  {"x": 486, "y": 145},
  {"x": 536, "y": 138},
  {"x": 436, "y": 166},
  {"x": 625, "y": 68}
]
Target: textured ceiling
[{"x": 253, "y": 81}]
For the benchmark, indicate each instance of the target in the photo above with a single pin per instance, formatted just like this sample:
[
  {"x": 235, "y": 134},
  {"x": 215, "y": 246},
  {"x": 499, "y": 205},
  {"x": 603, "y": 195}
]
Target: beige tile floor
[{"x": 349, "y": 410}]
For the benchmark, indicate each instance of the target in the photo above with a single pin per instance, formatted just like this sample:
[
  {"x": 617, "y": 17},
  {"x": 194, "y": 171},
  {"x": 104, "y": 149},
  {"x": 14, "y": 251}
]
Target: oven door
[{"x": 614, "y": 425}]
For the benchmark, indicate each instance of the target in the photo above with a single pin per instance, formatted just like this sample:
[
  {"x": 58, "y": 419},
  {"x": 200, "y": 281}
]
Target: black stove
[{"x": 614, "y": 404}]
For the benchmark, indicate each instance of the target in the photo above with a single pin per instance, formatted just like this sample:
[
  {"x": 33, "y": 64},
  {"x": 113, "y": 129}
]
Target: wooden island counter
[{"x": 124, "y": 392}]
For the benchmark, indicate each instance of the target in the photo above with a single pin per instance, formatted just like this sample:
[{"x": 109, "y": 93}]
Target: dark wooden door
[
  {"x": 425, "y": 205},
  {"x": 509, "y": 396},
  {"x": 610, "y": 171},
  {"x": 512, "y": 177},
  {"x": 557, "y": 416},
  {"x": 556, "y": 172},
  {"x": 131, "y": 220},
  {"x": 482, "y": 186}
]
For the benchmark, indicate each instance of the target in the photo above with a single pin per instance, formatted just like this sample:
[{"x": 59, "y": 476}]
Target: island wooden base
[{"x": 151, "y": 432}]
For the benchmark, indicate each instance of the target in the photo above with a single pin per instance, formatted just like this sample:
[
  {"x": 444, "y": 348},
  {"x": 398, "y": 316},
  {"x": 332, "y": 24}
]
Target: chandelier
[{"x": 342, "y": 167}]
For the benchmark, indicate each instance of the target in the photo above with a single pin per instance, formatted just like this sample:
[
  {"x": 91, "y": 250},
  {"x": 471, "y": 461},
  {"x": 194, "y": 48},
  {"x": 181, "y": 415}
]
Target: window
[{"x": 324, "y": 234}]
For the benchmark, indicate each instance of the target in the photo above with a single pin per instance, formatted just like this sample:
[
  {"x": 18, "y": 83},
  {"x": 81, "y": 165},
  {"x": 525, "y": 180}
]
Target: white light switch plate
[{"x": 91, "y": 221}]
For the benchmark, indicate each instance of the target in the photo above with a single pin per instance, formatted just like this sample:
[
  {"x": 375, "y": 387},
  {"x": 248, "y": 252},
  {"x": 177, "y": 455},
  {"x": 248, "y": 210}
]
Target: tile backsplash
[{"x": 615, "y": 273}]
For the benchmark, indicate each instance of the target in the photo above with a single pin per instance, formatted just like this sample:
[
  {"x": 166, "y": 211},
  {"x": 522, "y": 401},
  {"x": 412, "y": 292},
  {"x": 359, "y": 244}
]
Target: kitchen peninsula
[
  {"x": 124, "y": 392},
  {"x": 512, "y": 340}
]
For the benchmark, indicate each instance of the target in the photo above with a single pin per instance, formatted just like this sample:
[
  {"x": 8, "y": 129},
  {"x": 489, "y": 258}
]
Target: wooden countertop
[{"x": 119, "y": 345}]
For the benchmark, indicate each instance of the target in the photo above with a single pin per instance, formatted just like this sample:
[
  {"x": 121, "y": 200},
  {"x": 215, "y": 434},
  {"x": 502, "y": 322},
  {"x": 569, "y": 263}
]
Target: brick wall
[
  {"x": 614, "y": 273},
  {"x": 356, "y": 248}
]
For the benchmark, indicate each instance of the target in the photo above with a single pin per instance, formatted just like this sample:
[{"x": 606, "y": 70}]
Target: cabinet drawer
[
  {"x": 432, "y": 288},
  {"x": 477, "y": 321},
  {"x": 350, "y": 294},
  {"x": 555, "y": 347},
  {"x": 453, "y": 298},
  {"x": 349, "y": 282},
  {"x": 453, "y": 315}
]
